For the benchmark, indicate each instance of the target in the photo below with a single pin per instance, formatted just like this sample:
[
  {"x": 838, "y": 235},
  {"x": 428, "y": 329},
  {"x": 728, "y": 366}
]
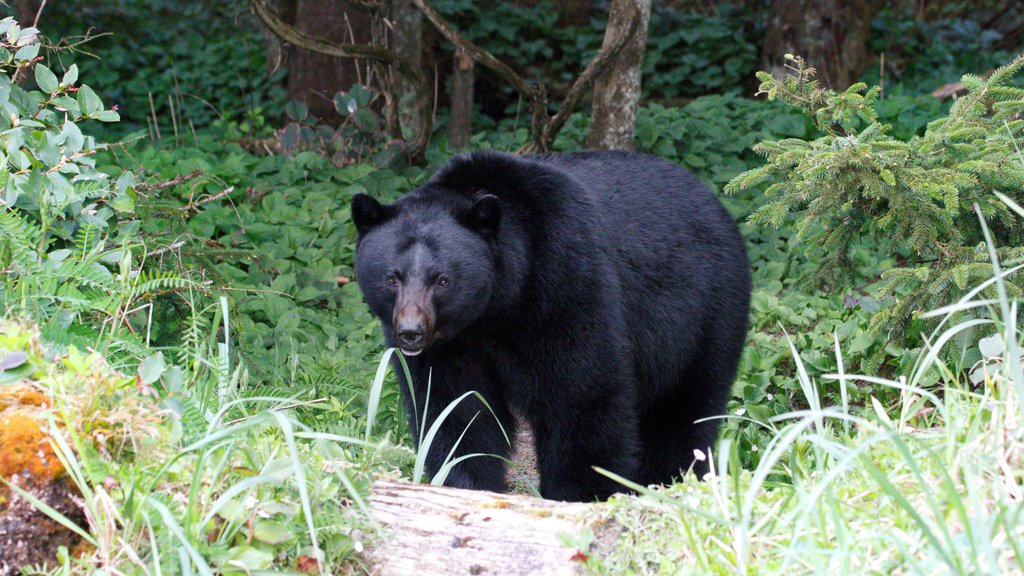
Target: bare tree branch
[
  {"x": 534, "y": 93},
  {"x": 417, "y": 148},
  {"x": 543, "y": 128},
  {"x": 594, "y": 68}
]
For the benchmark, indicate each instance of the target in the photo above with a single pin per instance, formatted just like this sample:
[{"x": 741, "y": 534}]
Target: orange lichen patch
[
  {"x": 25, "y": 447},
  {"x": 22, "y": 396}
]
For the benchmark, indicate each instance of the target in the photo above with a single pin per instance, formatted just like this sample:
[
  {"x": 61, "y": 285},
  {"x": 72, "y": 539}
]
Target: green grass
[{"x": 177, "y": 488}]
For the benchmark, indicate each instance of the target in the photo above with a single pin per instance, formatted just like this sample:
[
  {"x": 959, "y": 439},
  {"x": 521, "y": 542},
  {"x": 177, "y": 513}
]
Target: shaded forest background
[{"x": 209, "y": 62}]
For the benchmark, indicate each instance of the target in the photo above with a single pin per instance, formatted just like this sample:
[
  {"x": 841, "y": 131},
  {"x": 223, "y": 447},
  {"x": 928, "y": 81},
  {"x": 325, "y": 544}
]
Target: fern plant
[
  {"x": 856, "y": 180},
  {"x": 69, "y": 251}
]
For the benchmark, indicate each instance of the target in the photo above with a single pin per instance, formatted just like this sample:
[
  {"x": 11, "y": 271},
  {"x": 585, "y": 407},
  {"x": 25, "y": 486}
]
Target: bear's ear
[
  {"x": 483, "y": 215},
  {"x": 367, "y": 212}
]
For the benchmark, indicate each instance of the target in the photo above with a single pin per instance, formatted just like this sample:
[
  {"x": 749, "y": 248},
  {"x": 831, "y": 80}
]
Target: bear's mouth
[{"x": 416, "y": 348}]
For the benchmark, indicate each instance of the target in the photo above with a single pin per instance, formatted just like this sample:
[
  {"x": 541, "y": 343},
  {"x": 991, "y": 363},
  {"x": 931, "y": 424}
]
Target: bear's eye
[
  {"x": 443, "y": 282},
  {"x": 391, "y": 281}
]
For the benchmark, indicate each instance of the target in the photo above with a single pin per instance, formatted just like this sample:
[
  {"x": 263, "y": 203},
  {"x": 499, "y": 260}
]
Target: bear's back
[
  {"x": 657, "y": 218},
  {"x": 677, "y": 253}
]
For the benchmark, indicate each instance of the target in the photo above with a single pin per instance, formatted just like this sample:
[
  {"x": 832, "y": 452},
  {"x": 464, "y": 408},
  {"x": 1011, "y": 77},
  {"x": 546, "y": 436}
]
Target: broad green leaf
[
  {"x": 67, "y": 104},
  {"x": 26, "y": 53},
  {"x": 73, "y": 138},
  {"x": 296, "y": 110},
  {"x": 272, "y": 532},
  {"x": 107, "y": 116},
  {"x": 122, "y": 203},
  {"x": 345, "y": 104},
  {"x": 245, "y": 559},
  {"x": 70, "y": 76},
  {"x": 46, "y": 79},
  {"x": 366, "y": 120},
  {"x": 361, "y": 95},
  {"x": 152, "y": 368},
  {"x": 125, "y": 181},
  {"x": 89, "y": 102}
]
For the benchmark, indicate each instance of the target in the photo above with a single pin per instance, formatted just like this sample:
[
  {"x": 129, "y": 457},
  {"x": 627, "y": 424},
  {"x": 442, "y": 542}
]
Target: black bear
[{"x": 602, "y": 296}]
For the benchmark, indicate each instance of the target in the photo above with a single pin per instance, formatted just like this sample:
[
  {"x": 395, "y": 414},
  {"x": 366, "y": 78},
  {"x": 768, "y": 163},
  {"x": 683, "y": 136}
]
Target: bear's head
[{"x": 426, "y": 267}]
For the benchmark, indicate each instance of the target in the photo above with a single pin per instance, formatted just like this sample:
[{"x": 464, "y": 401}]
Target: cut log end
[{"x": 430, "y": 530}]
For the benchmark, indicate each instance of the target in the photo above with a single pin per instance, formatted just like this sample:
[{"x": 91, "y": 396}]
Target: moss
[
  {"x": 23, "y": 396},
  {"x": 25, "y": 447}
]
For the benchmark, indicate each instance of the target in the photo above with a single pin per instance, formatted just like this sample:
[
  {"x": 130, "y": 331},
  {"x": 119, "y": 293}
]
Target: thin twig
[
  {"x": 180, "y": 179},
  {"x": 165, "y": 249},
  {"x": 35, "y": 23},
  {"x": 156, "y": 123},
  {"x": 193, "y": 206}
]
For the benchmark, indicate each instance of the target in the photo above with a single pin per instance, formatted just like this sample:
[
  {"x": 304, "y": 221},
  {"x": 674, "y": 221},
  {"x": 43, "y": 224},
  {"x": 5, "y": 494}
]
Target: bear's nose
[{"x": 411, "y": 334}]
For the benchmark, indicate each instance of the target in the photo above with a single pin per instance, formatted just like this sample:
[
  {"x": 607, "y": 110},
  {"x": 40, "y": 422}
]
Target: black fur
[{"x": 601, "y": 295}]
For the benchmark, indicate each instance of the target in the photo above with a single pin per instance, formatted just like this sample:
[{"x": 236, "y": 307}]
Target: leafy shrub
[
  {"x": 360, "y": 137},
  {"x": 206, "y": 57},
  {"x": 178, "y": 474},
  {"x": 60, "y": 231},
  {"x": 691, "y": 54},
  {"x": 917, "y": 195}
]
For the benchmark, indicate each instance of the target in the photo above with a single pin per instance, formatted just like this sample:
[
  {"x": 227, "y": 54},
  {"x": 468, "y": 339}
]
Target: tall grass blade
[
  {"x": 300, "y": 480},
  {"x": 375, "y": 391},
  {"x": 186, "y": 547}
]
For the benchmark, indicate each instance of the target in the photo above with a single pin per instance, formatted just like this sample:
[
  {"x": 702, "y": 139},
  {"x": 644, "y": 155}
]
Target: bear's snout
[
  {"x": 411, "y": 334},
  {"x": 413, "y": 322}
]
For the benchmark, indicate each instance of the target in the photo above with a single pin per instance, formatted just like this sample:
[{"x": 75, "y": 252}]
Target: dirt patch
[
  {"x": 523, "y": 477},
  {"x": 27, "y": 460}
]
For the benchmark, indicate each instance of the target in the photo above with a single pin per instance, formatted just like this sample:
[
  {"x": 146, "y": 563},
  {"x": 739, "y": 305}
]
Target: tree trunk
[
  {"x": 461, "y": 128},
  {"x": 276, "y": 50},
  {"x": 617, "y": 90},
  {"x": 406, "y": 40},
  {"x": 27, "y": 10},
  {"x": 831, "y": 35},
  {"x": 434, "y": 530},
  {"x": 315, "y": 78}
]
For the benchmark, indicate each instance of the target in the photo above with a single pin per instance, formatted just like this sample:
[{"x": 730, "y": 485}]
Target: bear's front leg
[
  {"x": 470, "y": 428},
  {"x": 600, "y": 432}
]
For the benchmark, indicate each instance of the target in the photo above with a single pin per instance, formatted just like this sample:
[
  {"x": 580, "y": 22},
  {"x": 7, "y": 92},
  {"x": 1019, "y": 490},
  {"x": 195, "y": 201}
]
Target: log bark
[
  {"x": 617, "y": 90},
  {"x": 432, "y": 530}
]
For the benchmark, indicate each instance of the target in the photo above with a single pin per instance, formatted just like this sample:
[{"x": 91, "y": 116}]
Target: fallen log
[{"x": 434, "y": 530}]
